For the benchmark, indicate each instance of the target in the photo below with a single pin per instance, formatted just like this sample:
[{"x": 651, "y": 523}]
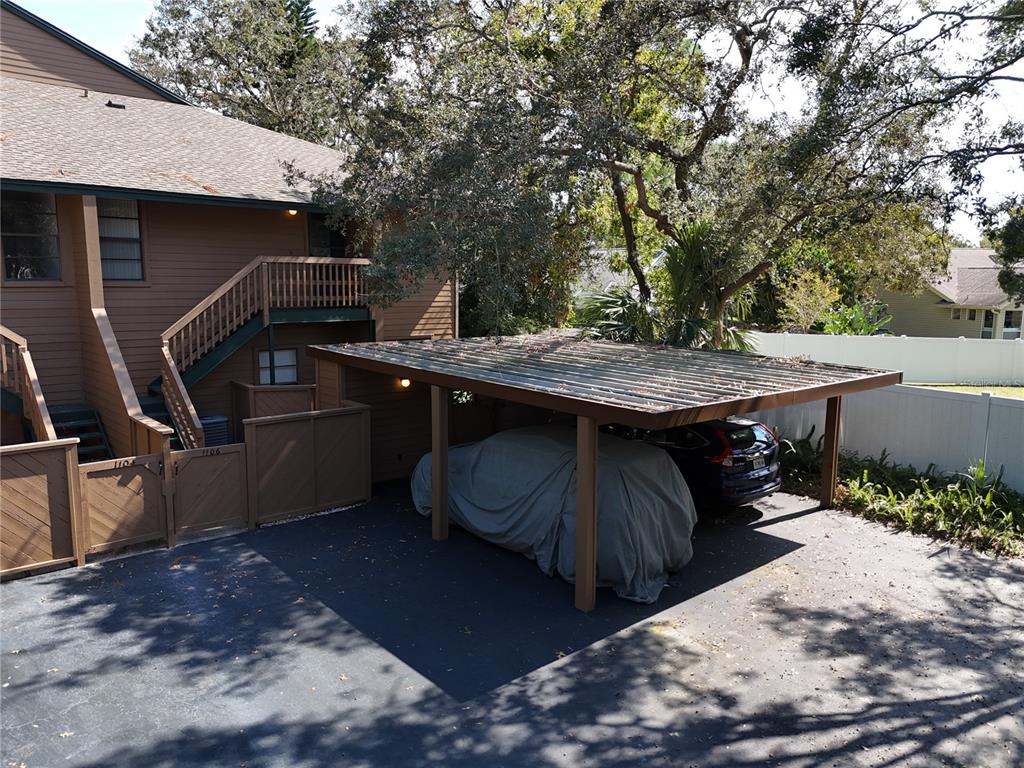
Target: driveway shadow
[
  {"x": 228, "y": 652},
  {"x": 468, "y": 615}
]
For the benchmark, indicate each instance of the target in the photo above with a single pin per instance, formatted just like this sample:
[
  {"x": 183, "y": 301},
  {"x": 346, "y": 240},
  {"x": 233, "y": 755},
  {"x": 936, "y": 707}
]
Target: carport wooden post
[
  {"x": 586, "y": 513},
  {"x": 439, "y": 463},
  {"x": 830, "y": 451}
]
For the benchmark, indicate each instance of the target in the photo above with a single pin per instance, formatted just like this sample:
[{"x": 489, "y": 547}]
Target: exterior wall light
[
  {"x": 405, "y": 383},
  {"x": 292, "y": 212}
]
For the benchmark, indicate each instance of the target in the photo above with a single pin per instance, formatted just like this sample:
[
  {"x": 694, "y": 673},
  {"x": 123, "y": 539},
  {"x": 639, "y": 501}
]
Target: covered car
[{"x": 517, "y": 489}]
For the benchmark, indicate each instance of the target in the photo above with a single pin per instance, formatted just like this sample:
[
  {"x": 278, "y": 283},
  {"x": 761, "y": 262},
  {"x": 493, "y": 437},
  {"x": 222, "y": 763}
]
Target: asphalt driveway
[{"x": 797, "y": 638}]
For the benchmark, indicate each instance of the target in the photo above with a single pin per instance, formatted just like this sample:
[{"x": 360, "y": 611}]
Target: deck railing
[
  {"x": 18, "y": 374},
  {"x": 265, "y": 284}
]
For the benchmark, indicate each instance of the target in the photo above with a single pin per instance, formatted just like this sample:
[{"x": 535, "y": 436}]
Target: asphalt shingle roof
[
  {"x": 61, "y": 135},
  {"x": 971, "y": 279}
]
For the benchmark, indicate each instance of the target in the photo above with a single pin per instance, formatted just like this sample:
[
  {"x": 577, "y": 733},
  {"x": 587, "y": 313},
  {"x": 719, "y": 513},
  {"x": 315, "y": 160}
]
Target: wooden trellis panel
[
  {"x": 40, "y": 508},
  {"x": 209, "y": 488},
  {"x": 124, "y": 502}
]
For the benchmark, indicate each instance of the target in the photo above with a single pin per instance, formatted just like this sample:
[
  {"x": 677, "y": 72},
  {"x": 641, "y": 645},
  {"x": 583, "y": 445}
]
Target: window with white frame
[
  {"x": 954, "y": 313},
  {"x": 972, "y": 314},
  {"x": 285, "y": 368},
  {"x": 1011, "y": 323},
  {"x": 120, "y": 238}
]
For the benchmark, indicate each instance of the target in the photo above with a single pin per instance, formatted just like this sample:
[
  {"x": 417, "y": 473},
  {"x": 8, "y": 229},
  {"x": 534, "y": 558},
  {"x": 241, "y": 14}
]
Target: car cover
[{"x": 517, "y": 489}]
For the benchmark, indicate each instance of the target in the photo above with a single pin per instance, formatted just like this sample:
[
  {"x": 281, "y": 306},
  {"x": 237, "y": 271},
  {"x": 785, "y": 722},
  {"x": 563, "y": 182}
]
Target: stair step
[
  {"x": 93, "y": 452},
  {"x": 77, "y": 424},
  {"x": 85, "y": 437}
]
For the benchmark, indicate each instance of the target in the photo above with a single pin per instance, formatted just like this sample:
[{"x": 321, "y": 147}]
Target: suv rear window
[
  {"x": 748, "y": 436},
  {"x": 742, "y": 438}
]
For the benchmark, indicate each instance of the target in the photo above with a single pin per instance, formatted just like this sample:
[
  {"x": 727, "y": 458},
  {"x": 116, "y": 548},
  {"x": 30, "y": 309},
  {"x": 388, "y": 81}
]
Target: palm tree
[{"x": 690, "y": 311}]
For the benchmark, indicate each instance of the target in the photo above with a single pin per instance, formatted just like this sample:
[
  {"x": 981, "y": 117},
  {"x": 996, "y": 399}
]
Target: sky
[{"x": 111, "y": 26}]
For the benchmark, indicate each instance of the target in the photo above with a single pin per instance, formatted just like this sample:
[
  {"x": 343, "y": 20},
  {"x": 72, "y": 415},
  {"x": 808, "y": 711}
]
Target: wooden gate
[
  {"x": 209, "y": 488},
  {"x": 41, "y": 505},
  {"x": 124, "y": 502}
]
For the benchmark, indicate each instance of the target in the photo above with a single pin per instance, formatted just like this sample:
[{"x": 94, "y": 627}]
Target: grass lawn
[{"x": 1017, "y": 392}]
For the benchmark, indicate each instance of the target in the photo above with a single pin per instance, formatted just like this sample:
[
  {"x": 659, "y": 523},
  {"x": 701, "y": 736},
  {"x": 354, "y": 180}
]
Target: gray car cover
[{"x": 517, "y": 489}]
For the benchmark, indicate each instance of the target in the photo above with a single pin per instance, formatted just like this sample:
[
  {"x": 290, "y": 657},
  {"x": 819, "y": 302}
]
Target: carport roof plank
[{"x": 652, "y": 386}]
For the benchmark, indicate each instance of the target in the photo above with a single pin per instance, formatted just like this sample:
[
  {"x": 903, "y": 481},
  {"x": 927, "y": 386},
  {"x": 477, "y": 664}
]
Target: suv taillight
[{"x": 725, "y": 457}]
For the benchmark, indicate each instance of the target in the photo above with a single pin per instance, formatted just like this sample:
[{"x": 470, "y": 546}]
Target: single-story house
[{"x": 965, "y": 301}]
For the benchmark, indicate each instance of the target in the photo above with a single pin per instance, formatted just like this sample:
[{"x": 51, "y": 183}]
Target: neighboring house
[
  {"x": 154, "y": 254},
  {"x": 966, "y": 301}
]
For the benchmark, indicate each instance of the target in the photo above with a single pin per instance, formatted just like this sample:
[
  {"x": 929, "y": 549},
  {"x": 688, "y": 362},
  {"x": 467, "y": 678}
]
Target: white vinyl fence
[
  {"x": 921, "y": 426},
  {"x": 923, "y": 360}
]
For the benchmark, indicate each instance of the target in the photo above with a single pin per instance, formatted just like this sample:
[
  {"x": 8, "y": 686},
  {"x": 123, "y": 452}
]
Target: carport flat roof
[{"x": 650, "y": 386}]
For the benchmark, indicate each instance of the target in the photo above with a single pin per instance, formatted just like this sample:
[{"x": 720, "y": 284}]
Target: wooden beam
[
  {"x": 439, "y": 462},
  {"x": 75, "y": 509},
  {"x": 586, "y": 513},
  {"x": 830, "y": 451}
]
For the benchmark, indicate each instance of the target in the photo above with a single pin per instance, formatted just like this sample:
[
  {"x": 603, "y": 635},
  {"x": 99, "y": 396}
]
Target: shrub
[{"x": 974, "y": 508}]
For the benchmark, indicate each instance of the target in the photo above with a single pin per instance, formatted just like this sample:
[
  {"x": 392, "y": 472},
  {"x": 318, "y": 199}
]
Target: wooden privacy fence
[
  {"x": 54, "y": 511},
  {"x": 251, "y": 401},
  {"x": 42, "y": 512},
  {"x": 303, "y": 462}
]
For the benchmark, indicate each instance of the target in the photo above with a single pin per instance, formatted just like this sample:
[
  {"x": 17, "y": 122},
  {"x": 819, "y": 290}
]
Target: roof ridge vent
[{"x": 114, "y": 105}]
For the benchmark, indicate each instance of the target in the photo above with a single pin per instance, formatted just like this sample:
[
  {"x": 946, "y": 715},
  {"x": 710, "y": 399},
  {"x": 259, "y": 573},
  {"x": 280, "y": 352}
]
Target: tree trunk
[
  {"x": 718, "y": 328},
  {"x": 632, "y": 258}
]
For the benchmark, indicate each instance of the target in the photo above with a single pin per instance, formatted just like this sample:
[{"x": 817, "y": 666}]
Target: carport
[{"x": 644, "y": 386}]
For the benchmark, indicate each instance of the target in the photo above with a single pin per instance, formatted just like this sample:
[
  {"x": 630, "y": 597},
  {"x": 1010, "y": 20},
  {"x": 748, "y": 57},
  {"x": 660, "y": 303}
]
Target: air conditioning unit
[{"x": 216, "y": 430}]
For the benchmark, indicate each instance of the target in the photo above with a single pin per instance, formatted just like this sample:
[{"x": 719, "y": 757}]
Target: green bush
[{"x": 973, "y": 507}]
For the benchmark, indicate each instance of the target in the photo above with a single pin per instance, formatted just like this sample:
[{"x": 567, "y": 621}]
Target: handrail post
[{"x": 265, "y": 283}]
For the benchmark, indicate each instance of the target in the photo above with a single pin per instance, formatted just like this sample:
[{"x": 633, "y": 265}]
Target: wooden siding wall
[
  {"x": 188, "y": 252},
  {"x": 400, "y": 420},
  {"x": 213, "y": 394},
  {"x": 47, "y": 314},
  {"x": 922, "y": 315},
  {"x": 400, "y": 417},
  {"x": 29, "y": 53},
  {"x": 430, "y": 313}
]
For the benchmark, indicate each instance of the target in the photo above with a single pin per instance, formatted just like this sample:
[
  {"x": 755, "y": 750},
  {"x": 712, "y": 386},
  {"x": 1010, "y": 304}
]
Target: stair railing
[
  {"x": 179, "y": 404},
  {"x": 18, "y": 374},
  {"x": 265, "y": 284}
]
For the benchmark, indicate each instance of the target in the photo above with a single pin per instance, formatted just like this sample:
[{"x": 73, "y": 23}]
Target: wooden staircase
[
  {"x": 270, "y": 289},
  {"x": 20, "y": 383},
  {"x": 82, "y": 421}
]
